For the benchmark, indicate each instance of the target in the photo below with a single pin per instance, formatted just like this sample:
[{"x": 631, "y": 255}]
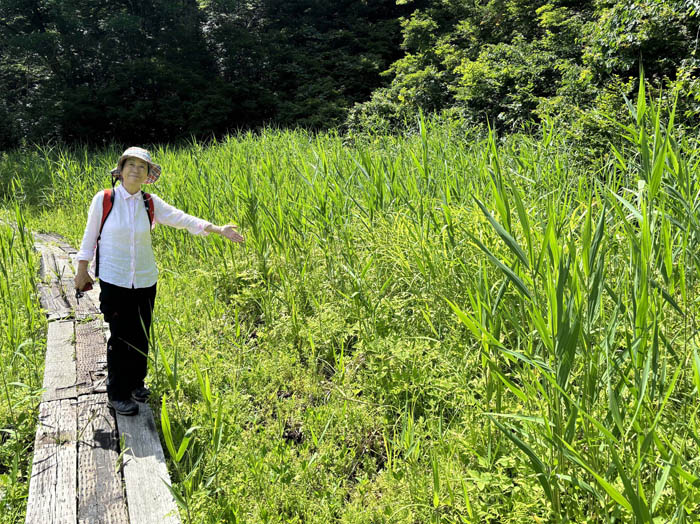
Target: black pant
[{"x": 128, "y": 313}]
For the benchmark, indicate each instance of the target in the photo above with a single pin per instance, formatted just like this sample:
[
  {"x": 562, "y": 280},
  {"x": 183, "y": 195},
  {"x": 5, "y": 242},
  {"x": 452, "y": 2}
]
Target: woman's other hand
[{"x": 228, "y": 231}]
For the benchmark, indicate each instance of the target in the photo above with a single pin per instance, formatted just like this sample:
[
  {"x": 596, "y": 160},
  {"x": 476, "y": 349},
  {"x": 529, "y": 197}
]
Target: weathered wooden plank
[
  {"x": 54, "y": 302},
  {"x": 59, "y": 369},
  {"x": 46, "y": 296},
  {"x": 91, "y": 356},
  {"x": 48, "y": 267},
  {"x": 54, "y": 240},
  {"x": 55, "y": 263},
  {"x": 52, "y": 487},
  {"x": 58, "y": 300},
  {"x": 145, "y": 472},
  {"x": 101, "y": 497},
  {"x": 45, "y": 263},
  {"x": 64, "y": 268},
  {"x": 49, "y": 238}
]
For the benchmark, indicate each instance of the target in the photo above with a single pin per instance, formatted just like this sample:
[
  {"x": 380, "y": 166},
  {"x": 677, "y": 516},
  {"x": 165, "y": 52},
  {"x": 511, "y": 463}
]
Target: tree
[
  {"x": 303, "y": 62},
  {"x": 513, "y": 60}
]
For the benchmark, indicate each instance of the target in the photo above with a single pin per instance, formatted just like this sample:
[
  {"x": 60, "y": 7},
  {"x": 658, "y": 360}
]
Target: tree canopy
[
  {"x": 156, "y": 71},
  {"x": 512, "y": 61}
]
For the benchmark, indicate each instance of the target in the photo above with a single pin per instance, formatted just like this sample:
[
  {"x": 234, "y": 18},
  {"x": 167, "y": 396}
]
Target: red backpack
[{"x": 107, "y": 204}]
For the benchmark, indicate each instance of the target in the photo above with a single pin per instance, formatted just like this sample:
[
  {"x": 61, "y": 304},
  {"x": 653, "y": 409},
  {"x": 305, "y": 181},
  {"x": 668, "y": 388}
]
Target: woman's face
[{"x": 134, "y": 172}]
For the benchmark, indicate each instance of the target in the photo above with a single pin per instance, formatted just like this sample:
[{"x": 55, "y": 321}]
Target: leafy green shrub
[{"x": 505, "y": 83}]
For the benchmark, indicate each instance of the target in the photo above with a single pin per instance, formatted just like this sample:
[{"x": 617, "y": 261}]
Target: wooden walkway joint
[{"x": 79, "y": 473}]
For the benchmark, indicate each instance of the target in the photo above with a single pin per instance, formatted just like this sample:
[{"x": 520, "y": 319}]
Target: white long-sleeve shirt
[{"x": 126, "y": 254}]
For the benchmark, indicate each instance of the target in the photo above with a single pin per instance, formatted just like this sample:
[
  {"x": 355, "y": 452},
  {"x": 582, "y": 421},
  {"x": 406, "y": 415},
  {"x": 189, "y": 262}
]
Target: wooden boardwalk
[{"x": 79, "y": 473}]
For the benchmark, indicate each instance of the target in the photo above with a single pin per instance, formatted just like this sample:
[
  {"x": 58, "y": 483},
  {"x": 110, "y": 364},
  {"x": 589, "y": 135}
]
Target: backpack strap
[
  {"x": 150, "y": 208},
  {"x": 107, "y": 204}
]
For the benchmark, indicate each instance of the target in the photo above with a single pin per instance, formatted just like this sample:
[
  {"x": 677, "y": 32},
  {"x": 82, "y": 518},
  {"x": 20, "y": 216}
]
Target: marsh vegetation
[{"x": 446, "y": 326}]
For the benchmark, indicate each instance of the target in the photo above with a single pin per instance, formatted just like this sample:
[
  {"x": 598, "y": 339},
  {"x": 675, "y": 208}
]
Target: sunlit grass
[
  {"x": 441, "y": 327},
  {"x": 22, "y": 340}
]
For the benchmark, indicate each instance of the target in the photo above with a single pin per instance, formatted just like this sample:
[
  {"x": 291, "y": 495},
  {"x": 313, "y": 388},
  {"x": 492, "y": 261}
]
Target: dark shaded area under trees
[{"x": 157, "y": 71}]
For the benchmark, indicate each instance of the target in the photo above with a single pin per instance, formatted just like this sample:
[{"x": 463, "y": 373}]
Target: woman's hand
[
  {"x": 227, "y": 231},
  {"x": 82, "y": 278}
]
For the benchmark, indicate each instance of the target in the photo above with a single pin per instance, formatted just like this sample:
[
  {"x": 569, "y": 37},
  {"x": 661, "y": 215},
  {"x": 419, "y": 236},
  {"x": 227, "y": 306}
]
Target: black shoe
[
  {"x": 141, "y": 394},
  {"x": 124, "y": 407}
]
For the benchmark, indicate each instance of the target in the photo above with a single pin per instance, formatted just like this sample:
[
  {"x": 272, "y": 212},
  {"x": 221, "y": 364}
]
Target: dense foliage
[
  {"x": 156, "y": 71},
  {"x": 515, "y": 61}
]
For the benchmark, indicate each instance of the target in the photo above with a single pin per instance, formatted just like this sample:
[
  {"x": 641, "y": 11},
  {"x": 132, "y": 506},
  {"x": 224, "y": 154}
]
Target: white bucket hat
[{"x": 142, "y": 154}]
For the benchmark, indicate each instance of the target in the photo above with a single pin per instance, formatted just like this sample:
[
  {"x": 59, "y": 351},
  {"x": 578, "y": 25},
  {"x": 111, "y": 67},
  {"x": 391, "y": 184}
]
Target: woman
[{"x": 127, "y": 271}]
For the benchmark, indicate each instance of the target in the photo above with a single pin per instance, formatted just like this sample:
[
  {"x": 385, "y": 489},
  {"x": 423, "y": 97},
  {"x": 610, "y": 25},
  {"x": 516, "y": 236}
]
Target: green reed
[
  {"x": 21, "y": 360},
  {"x": 412, "y": 316},
  {"x": 602, "y": 345}
]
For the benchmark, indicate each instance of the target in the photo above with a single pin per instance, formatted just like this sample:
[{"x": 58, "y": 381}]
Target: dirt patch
[{"x": 293, "y": 433}]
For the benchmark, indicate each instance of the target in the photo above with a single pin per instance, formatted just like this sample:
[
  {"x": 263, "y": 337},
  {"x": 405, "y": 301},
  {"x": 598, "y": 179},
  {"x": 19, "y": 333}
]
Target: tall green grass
[
  {"x": 22, "y": 340},
  {"x": 602, "y": 326},
  {"x": 439, "y": 327}
]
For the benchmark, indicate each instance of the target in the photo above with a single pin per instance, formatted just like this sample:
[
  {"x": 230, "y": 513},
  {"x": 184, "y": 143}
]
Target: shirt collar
[{"x": 125, "y": 194}]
